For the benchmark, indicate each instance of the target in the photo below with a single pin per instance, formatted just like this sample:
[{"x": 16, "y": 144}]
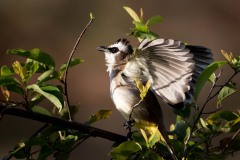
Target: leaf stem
[
  {"x": 67, "y": 67},
  {"x": 209, "y": 97}
]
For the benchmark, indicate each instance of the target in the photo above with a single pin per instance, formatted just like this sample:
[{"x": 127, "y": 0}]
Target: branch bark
[{"x": 91, "y": 131}]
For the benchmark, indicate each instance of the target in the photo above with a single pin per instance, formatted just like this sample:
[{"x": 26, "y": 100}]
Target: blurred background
[{"x": 53, "y": 26}]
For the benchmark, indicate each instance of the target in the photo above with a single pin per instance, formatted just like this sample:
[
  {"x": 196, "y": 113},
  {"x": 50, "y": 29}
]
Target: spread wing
[{"x": 169, "y": 66}]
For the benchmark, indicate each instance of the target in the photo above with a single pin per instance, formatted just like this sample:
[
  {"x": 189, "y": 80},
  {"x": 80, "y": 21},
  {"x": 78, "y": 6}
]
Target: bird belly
[{"x": 125, "y": 98}]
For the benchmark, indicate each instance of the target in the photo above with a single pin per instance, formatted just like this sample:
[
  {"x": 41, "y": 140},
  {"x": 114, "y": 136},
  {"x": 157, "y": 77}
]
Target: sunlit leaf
[
  {"x": 100, "y": 115},
  {"x": 51, "y": 97},
  {"x": 5, "y": 71},
  {"x": 142, "y": 89},
  {"x": 153, "y": 20},
  {"x": 212, "y": 78},
  {"x": 141, "y": 14},
  {"x": 125, "y": 150},
  {"x": 31, "y": 68},
  {"x": 141, "y": 27},
  {"x": 20, "y": 70},
  {"x": 225, "y": 92},
  {"x": 202, "y": 79},
  {"x": 225, "y": 115},
  {"x": 34, "y": 54},
  {"x": 155, "y": 137},
  {"x": 91, "y": 16},
  {"x": 132, "y": 13},
  {"x": 229, "y": 57}
]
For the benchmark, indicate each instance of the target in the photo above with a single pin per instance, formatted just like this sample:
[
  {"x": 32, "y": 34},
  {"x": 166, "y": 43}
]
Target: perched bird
[{"x": 170, "y": 66}]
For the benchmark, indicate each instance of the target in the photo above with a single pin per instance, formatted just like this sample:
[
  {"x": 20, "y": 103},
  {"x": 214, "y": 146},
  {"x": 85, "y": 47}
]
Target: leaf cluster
[{"x": 193, "y": 134}]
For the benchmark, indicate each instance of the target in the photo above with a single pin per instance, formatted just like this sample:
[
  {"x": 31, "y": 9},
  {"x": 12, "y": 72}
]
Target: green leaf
[
  {"x": 31, "y": 68},
  {"x": 20, "y": 70},
  {"x": 15, "y": 88},
  {"x": 73, "y": 62},
  {"x": 132, "y": 13},
  {"x": 45, "y": 151},
  {"x": 141, "y": 27},
  {"x": 5, "y": 71},
  {"x": 48, "y": 75},
  {"x": 143, "y": 35},
  {"x": 153, "y": 20},
  {"x": 54, "y": 90},
  {"x": 226, "y": 115},
  {"x": 180, "y": 129},
  {"x": 204, "y": 76},
  {"x": 142, "y": 89},
  {"x": 53, "y": 96},
  {"x": 212, "y": 78},
  {"x": 41, "y": 110},
  {"x": 125, "y": 150},
  {"x": 100, "y": 115},
  {"x": 34, "y": 54},
  {"x": 225, "y": 92},
  {"x": 154, "y": 138},
  {"x": 7, "y": 80}
]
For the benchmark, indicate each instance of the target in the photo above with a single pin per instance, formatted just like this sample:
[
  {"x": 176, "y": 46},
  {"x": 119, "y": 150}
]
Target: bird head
[{"x": 117, "y": 53}]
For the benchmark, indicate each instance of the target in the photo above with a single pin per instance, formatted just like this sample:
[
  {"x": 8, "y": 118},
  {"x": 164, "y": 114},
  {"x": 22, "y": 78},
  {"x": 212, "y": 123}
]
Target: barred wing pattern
[{"x": 169, "y": 65}]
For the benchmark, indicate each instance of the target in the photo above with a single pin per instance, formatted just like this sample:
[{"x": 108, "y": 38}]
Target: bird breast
[{"x": 123, "y": 94}]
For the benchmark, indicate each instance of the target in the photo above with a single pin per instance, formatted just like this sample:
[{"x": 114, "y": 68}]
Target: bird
[{"x": 169, "y": 66}]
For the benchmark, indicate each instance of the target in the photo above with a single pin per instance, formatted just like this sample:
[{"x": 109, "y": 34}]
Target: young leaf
[
  {"x": 204, "y": 76},
  {"x": 100, "y": 115},
  {"x": 225, "y": 92},
  {"x": 212, "y": 78},
  {"x": 20, "y": 70},
  {"x": 153, "y": 20},
  {"x": 31, "y": 68},
  {"x": 141, "y": 27},
  {"x": 34, "y": 54},
  {"x": 155, "y": 137},
  {"x": 73, "y": 62},
  {"x": 51, "y": 97},
  {"x": 132, "y": 13},
  {"x": 5, "y": 71},
  {"x": 142, "y": 89},
  {"x": 125, "y": 150},
  {"x": 91, "y": 16}
]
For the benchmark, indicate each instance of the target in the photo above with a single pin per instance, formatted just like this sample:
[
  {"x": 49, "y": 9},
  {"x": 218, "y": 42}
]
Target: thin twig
[
  {"x": 67, "y": 67},
  {"x": 231, "y": 141},
  {"x": 209, "y": 97},
  {"x": 80, "y": 142}
]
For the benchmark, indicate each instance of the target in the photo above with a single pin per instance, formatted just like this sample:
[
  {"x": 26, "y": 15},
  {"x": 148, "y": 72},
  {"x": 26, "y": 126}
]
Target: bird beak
[{"x": 102, "y": 48}]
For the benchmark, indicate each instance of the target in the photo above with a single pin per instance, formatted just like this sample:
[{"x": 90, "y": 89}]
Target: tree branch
[
  {"x": 68, "y": 63},
  {"x": 92, "y": 131}
]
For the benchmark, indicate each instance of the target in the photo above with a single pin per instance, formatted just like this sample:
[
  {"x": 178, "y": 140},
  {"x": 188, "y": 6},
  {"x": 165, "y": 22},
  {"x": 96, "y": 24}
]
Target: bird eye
[{"x": 113, "y": 50}]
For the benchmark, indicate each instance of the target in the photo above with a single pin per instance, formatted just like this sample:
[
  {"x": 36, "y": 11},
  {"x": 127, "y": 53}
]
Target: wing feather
[{"x": 169, "y": 65}]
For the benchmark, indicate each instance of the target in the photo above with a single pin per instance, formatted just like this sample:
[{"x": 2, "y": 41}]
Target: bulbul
[{"x": 170, "y": 66}]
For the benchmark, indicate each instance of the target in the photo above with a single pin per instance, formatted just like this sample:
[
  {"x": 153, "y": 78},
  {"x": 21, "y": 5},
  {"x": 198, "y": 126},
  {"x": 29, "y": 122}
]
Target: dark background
[{"x": 53, "y": 26}]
